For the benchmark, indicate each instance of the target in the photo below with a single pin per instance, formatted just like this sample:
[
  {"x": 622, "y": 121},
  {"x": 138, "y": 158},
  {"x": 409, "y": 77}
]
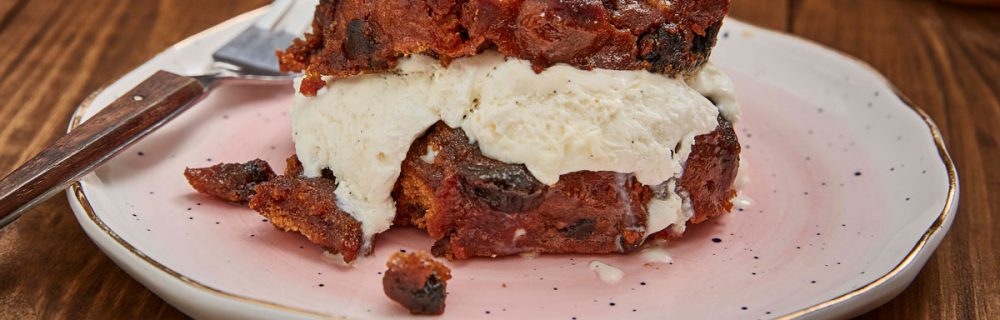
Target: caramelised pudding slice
[{"x": 507, "y": 127}]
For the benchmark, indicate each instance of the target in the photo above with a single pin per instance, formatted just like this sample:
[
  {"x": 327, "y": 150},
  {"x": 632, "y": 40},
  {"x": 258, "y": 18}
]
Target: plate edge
[
  {"x": 76, "y": 191},
  {"x": 939, "y": 224}
]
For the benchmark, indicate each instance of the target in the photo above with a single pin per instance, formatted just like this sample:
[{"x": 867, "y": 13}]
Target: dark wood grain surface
[{"x": 946, "y": 58}]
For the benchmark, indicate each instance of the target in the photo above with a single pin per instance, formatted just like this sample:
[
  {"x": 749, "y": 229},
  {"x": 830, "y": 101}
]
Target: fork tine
[
  {"x": 274, "y": 14},
  {"x": 298, "y": 19},
  {"x": 252, "y": 51}
]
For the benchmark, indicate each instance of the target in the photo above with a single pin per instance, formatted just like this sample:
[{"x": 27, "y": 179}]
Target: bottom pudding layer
[{"x": 476, "y": 206}]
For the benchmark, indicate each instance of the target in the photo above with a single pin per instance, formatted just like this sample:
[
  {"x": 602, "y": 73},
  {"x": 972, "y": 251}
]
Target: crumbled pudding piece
[
  {"x": 308, "y": 206},
  {"x": 233, "y": 182},
  {"x": 290, "y": 202},
  {"x": 416, "y": 281}
]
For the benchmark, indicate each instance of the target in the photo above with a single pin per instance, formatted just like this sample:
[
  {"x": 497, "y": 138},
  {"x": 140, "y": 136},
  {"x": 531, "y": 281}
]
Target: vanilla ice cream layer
[{"x": 559, "y": 121}]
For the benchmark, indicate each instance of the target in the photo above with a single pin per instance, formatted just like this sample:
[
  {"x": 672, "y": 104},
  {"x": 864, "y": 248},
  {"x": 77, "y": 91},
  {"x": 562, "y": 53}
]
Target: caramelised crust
[
  {"x": 233, "y": 182},
  {"x": 308, "y": 206},
  {"x": 476, "y": 206},
  {"x": 356, "y": 36},
  {"x": 416, "y": 281}
]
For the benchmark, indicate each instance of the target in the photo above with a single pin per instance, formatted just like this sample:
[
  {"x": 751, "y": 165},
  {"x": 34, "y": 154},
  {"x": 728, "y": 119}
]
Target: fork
[{"x": 249, "y": 57}]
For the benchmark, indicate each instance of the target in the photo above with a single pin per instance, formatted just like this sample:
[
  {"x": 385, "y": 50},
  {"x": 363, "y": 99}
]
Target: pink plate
[{"x": 852, "y": 191}]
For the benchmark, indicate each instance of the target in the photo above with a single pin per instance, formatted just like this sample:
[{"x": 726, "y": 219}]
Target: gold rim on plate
[{"x": 919, "y": 247}]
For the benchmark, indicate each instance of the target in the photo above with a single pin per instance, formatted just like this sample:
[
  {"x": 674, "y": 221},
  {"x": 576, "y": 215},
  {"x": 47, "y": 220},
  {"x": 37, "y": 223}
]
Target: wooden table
[{"x": 54, "y": 53}]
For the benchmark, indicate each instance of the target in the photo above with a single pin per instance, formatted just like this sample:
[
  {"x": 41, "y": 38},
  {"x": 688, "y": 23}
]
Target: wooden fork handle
[{"x": 149, "y": 105}]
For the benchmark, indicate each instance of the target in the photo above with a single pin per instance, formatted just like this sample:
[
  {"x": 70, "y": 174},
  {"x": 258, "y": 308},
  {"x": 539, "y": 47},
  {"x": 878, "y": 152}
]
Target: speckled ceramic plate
[{"x": 852, "y": 186}]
